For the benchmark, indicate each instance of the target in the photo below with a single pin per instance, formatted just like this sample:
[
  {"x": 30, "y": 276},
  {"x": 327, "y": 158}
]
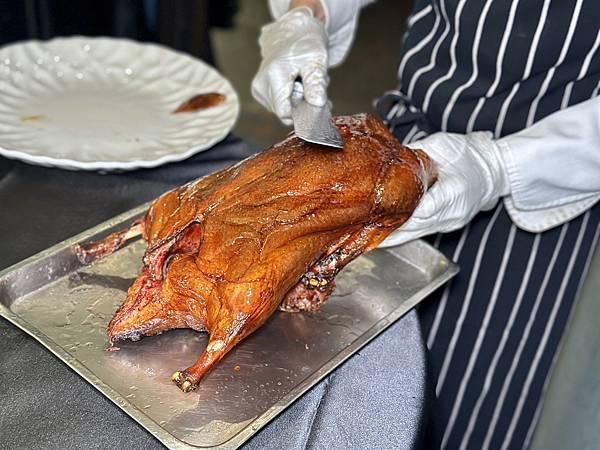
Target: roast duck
[{"x": 224, "y": 252}]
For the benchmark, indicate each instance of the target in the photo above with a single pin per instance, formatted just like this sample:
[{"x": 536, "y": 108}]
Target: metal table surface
[{"x": 44, "y": 404}]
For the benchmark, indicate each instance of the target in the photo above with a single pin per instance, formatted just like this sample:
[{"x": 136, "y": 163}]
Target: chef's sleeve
[{"x": 554, "y": 167}]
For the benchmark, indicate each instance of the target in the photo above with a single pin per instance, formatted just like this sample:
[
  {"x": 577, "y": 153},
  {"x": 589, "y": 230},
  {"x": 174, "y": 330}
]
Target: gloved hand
[
  {"x": 471, "y": 178},
  {"x": 295, "y": 45}
]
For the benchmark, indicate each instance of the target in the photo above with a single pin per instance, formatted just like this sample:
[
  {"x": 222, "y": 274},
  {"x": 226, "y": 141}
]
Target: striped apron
[{"x": 493, "y": 332}]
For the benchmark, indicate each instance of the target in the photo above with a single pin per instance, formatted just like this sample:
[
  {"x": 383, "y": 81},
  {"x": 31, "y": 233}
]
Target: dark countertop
[{"x": 376, "y": 398}]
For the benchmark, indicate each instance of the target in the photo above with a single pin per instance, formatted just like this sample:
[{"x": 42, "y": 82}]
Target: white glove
[
  {"x": 295, "y": 45},
  {"x": 471, "y": 178}
]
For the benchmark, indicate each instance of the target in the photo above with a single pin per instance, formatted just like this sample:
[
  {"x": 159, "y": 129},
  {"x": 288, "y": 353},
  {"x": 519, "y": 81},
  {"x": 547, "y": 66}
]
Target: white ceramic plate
[{"x": 105, "y": 104}]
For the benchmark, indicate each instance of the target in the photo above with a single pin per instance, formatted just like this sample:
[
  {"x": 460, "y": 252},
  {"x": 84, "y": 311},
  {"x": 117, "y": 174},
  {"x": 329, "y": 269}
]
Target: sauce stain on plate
[
  {"x": 200, "y": 101},
  {"x": 32, "y": 119}
]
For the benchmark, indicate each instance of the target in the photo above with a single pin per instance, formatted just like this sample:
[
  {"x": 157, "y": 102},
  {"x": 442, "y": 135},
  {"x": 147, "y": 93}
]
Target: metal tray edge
[
  {"x": 156, "y": 430},
  {"x": 167, "y": 438},
  {"x": 86, "y": 234},
  {"x": 341, "y": 357},
  {"x": 163, "y": 436}
]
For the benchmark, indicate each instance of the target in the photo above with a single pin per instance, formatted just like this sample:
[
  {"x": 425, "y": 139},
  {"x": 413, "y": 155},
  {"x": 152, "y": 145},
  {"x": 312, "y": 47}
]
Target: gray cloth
[{"x": 375, "y": 400}]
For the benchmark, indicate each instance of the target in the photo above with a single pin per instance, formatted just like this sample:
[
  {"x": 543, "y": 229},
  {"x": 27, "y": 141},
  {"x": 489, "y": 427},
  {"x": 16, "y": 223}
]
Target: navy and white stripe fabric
[{"x": 492, "y": 333}]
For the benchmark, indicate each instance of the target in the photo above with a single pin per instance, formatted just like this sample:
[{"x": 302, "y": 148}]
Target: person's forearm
[
  {"x": 315, "y": 5},
  {"x": 339, "y": 17}
]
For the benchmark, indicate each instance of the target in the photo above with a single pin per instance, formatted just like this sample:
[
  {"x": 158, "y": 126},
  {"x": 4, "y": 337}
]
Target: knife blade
[{"x": 313, "y": 123}]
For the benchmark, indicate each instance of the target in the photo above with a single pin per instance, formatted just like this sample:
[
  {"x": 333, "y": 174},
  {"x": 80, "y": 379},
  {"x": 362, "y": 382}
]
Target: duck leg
[
  {"x": 317, "y": 284},
  {"x": 88, "y": 253},
  {"x": 242, "y": 309},
  {"x": 218, "y": 346}
]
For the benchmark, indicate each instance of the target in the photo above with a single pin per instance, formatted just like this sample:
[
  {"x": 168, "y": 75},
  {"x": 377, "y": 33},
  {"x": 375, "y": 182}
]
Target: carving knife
[{"x": 312, "y": 123}]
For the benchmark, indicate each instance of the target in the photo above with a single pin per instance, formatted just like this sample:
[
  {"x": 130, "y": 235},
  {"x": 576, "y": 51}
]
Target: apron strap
[{"x": 397, "y": 110}]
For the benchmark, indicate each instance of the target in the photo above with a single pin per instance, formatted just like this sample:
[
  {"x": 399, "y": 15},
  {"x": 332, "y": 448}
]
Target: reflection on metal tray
[{"x": 66, "y": 306}]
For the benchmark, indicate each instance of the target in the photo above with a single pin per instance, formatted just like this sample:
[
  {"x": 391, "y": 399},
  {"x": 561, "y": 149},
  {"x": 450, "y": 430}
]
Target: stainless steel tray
[{"x": 66, "y": 307}]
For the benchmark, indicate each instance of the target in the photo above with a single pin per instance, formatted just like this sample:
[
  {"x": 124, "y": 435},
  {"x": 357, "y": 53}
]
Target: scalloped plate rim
[{"x": 73, "y": 164}]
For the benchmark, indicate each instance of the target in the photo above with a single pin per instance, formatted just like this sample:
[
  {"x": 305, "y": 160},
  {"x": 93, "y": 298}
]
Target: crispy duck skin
[{"x": 273, "y": 231}]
